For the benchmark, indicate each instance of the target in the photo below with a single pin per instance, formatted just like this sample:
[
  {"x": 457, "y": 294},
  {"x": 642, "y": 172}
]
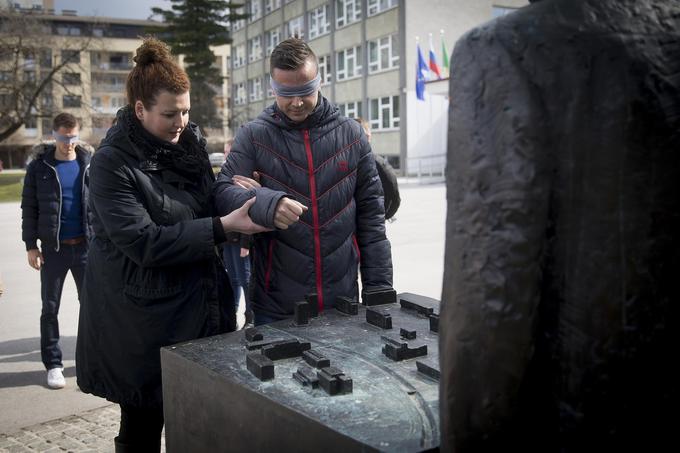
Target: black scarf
[{"x": 188, "y": 157}]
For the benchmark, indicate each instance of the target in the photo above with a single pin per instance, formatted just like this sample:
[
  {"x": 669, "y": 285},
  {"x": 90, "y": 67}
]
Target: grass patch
[{"x": 11, "y": 185}]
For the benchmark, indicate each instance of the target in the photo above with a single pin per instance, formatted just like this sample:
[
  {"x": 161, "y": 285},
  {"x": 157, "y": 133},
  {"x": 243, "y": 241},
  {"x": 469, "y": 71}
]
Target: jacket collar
[
  {"x": 46, "y": 152},
  {"x": 323, "y": 113}
]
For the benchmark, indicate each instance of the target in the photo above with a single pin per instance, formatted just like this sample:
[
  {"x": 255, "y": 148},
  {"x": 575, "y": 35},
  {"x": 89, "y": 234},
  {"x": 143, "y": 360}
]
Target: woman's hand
[
  {"x": 240, "y": 222},
  {"x": 246, "y": 182}
]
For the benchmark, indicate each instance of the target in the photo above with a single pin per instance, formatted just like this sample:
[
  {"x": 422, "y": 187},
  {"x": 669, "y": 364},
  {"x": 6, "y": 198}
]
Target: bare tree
[{"x": 29, "y": 70}]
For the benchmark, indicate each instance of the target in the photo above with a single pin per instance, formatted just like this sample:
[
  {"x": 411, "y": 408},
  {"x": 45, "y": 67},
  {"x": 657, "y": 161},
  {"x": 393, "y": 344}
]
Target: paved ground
[{"x": 35, "y": 418}]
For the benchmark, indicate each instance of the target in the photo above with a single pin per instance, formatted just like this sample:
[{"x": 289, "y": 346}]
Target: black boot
[
  {"x": 149, "y": 447},
  {"x": 120, "y": 446}
]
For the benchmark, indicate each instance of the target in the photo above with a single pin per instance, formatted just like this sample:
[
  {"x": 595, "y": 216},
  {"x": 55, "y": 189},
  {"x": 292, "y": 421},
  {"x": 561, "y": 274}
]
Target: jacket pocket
[
  {"x": 141, "y": 293},
  {"x": 268, "y": 265}
]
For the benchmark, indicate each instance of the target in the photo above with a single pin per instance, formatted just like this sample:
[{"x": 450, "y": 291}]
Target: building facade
[
  {"x": 92, "y": 87},
  {"x": 367, "y": 59}
]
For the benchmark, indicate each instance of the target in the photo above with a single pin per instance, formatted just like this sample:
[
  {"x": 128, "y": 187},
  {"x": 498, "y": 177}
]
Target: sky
[{"x": 124, "y": 9}]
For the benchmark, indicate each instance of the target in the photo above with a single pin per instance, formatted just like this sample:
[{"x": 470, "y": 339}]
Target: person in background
[
  {"x": 388, "y": 177},
  {"x": 153, "y": 276},
  {"x": 235, "y": 254},
  {"x": 54, "y": 212},
  {"x": 318, "y": 187}
]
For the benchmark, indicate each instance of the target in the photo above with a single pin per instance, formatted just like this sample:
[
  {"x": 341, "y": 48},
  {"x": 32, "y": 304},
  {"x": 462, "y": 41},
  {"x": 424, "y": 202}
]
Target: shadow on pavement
[
  {"x": 25, "y": 378},
  {"x": 28, "y": 350}
]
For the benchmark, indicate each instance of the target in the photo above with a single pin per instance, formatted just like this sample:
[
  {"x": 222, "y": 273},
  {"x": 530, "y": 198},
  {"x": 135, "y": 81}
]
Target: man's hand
[
  {"x": 247, "y": 183},
  {"x": 240, "y": 222},
  {"x": 35, "y": 259},
  {"x": 288, "y": 211},
  {"x": 244, "y": 252}
]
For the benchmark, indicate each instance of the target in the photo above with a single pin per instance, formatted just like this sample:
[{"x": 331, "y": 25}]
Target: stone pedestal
[{"x": 212, "y": 402}]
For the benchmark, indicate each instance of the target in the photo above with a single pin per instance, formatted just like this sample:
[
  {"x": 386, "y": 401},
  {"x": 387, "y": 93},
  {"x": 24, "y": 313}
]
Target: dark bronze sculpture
[{"x": 563, "y": 230}]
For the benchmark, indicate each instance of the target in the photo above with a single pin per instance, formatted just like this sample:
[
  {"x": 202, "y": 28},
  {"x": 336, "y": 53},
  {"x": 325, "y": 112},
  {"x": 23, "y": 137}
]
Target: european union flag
[{"x": 421, "y": 75}]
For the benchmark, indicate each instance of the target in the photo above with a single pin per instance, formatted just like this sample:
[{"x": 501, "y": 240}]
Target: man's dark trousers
[{"x": 52, "y": 276}]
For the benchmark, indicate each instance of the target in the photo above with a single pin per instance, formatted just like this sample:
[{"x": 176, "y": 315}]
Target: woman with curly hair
[{"x": 153, "y": 276}]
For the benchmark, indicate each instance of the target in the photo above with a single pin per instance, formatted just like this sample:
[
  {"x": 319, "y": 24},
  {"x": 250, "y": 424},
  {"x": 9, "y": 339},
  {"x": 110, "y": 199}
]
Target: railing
[
  {"x": 105, "y": 66},
  {"x": 108, "y": 88},
  {"x": 427, "y": 168},
  {"x": 109, "y": 110}
]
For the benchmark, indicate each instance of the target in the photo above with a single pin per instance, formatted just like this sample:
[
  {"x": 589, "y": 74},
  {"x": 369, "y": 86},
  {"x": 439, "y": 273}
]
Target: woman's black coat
[{"x": 152, "y": 277}]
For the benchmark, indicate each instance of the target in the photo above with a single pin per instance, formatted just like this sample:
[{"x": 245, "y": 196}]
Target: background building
[
  {"x": 367, "y": 59},
  {"x": 92, "y": 87}
]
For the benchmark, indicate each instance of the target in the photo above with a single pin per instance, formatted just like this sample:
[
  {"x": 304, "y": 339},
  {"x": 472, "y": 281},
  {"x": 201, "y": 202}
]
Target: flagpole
[
  {"x": 418, "y": 138},
  {"x": 445, "y": 55}
]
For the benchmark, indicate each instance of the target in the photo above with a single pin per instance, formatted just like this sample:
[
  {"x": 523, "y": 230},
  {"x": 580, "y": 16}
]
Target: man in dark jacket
[
  {"x": 319, "y": 189},
  {"x": 54, "y": 206}
]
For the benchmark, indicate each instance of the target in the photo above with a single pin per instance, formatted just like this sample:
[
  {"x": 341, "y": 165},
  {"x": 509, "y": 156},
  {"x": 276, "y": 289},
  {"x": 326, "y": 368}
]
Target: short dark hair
[
  {"x": 65, "y": 120},
  {"x": 291, "y": 54}
]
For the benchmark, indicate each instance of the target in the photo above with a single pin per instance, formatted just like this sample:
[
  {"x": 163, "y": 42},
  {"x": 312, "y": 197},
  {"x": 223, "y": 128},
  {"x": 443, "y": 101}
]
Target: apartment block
[
  {"x": 92, "y": 87},
  {"x": 367, "y": 60}
]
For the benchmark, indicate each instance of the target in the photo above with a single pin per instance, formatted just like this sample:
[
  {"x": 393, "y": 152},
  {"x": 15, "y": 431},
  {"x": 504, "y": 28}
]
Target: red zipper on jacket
[
  {"x": 268, "y": 271},
  {"x": 315, "y": 216},
  {"x": 356, "y": 247}
]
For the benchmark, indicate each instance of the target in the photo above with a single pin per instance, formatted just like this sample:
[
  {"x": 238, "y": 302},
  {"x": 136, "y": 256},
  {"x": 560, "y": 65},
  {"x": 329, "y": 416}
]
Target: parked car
[{"x": 216, "y": 159}]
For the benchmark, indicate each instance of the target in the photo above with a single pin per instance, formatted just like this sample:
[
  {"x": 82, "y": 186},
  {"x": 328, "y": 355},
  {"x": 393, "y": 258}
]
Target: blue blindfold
[
  {"x": 296, "y": 91},
  {"x": 67, "y": 139}
]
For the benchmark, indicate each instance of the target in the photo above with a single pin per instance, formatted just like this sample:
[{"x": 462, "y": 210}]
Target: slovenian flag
[
  {"x": 421, "y": 74},
  {"x": 445, "y": 54},
  {"x": 434, "y": 67}
]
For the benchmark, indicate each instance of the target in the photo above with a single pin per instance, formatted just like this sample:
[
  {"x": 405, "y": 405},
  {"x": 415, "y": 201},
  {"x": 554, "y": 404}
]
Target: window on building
[
  {"x": 71, "y": 78},
  {"x": 255, "y": 48},
  {"x": 121, "y": 61},
  {"x": 6, "y": 76},
  {"x": 118, "y": 102},
  {"x": 255, "y": 89},
  {"x": 71, "y": 30},
  {"x": 71, "y": 101},
  {"x": 384, "y": 113},
  {"x": 98, "y": 32},
  {"x": 347, "y": 12},
  {"x": 498, "y": 11},
  {"x": 255, "y": 10},
  {"x": 240, "y": 56},
  {"x": 319, "y": 22},
  {"x": 46, "y": 58},
  {"x": 378, "y": 6},
  {"x": 239, "y": 93},
  {"x": 325, "y": 69},
  {"x": 238, "y": 24},
  {"x": 350, "y": 109},
  {"x": 70, "y": 56},
  {"x": 46, "y": 100},
  {"x": 6, "y": 100},
  {"x": 349, "y": 63},
  {"x": 46, "y": 125},
  {"x": 271, "y": 5},
  {"x": 31, "y": 126},
  {"x": 383, "y": 53},
  {"x": 97, "y": 103},
  {"x": 271, "y": 39},
  {"x": 30, "y": 76},
  {"x": 296, "y": 27},
  {"x": 29, "y": 60}
]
